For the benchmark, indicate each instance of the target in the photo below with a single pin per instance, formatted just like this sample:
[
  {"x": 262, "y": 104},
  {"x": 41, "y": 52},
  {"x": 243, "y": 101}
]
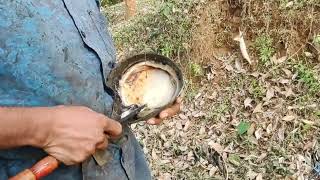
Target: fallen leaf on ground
[
  {"x": 270, "y": 94},
  {"x": 251, "y": 129},
  {"x": 269, "y": 128},
  {"x": 187, "y": 125},
  {"x": 281, "y": 134},
  {"x": 183, "y": 117},
  {"x": 213, "y": 171},
  {"x": 258, "y": 109},
  {"x": 247, "y": 102},
  {"x": 259, "y": 177},
  {"x": 243, "y": 127},
  {"x": 251, "y": 174},
  {"x": 309, "y": 145},
  {"x": 261, "y": 157},
  {"x": 217, "y": 147},
  {"x": 280, "y": 60},
  {"x": 258, "y": 133},
  {"x": 288, "y": 118},
  {"x": 234, "y": 159},
  {"x": 288, "y": 92},
  {"x": 202, "y": 130},
  {"x": 287, "y": 72}
]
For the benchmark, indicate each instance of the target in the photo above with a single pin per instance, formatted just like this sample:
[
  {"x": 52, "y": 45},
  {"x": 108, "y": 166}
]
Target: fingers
[
  {"x": 112, "y": 127},
  {"x": 169, "y": 112},
  {"x": 154, "y": 121},
  {"x": 173, "y": 110},
  {"x": 103, "y": 144}
]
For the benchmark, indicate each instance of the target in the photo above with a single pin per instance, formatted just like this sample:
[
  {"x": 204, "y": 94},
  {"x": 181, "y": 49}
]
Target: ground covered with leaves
[{"x": 257, "y": 119}]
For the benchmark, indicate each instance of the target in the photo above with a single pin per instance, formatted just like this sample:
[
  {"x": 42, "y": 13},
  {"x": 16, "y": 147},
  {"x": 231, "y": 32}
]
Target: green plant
[
  {"x": 308, "y": 78},
  {"x": 109, "y": 2},
  {"x": 243, "y": 127},
  {"x": 191, "y": 89},
  {"x": 196, "y": 69},
  {"x": 265, "y": 49},
  {"x": 296, "y": 4},
  {"x": 256, "y": 89},
  {"x": 316, "y": 40},
  {"x": 165, "y": 31}
]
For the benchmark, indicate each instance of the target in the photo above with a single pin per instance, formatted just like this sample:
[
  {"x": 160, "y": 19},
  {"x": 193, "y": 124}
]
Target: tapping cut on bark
[{"x": 131, "y": 6}]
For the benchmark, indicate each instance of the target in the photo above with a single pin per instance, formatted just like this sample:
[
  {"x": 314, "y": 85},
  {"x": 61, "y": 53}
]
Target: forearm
[{"x": 22, "y": 126}]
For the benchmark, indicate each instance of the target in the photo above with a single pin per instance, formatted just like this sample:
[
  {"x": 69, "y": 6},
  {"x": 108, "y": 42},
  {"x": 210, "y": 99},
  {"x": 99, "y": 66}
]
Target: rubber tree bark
[{"x": 131, "y": 7}]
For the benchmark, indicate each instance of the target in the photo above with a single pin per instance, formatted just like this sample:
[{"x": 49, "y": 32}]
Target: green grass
[
  {"x": 165, "y": 31},
  {"x": 308, "y": 78},
  {"x": 265, "y": 49},
  {"x": 297, "y": 4},
  {"x": 196, "y": 69},
  {"x": 105, "y": 3},
  {"x": 256, "y": 89},
  {"x": 316, "y": 40}
]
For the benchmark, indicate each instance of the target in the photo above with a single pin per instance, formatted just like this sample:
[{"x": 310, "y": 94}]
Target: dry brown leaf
[
  {"x": 187, "y": 125},
  {"x": 197, "y": 114},
  {"x": 280, "y": 60},
  {"x": 258, "y": 133},
  {"x": 154, "y": 155},
  {"x": 229, "y": 68},
  {"x": 202, "y": 130},
  {"x": 163, "y": 137},
  {"x": 255, "y": 74},
  {"x": 261, "y": 157},
  {"x": 287, "y": 72},
  {"x": 183, "y": 117},
  {"x": 288, "y": 92},
  {"x": 213, "y": 96},
  {"x": 309, "y": 145},
  {"x": 190, "y": 156},
  {"x": 217, "y": 147},
  {"x": 213, "y": 171},
  {"x": 281, "y": 134},
  {"x": 258, "y": 109},
  {"x": 251, "y": 174},
  {"x": 247, "y": 102},
  {"x": 178, "y": 125},
  {"x": 251, "y": 129},
  {"x": 259, "y": 177},
  {"x": 312, "y": 123},
  {"x": 238, "y": 65},
  {"x": 270, "y": 94},
  {"x": 269, "y": 128},
  {"x": 243, "y": 47},
  {"x": 288, "y": 118},
  {"x": 284, "y": 81},
  {"x": 289, "y": 4},
  {"x": 198, "y": 95}
]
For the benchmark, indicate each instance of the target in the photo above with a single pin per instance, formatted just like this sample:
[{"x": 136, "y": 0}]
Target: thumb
[{"x": 112, "y": 128}]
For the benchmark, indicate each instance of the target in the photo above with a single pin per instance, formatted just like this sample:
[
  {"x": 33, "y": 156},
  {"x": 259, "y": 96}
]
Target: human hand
[
  {"x": 74, "y": 133},
  {"x": 169, "y": 112}
]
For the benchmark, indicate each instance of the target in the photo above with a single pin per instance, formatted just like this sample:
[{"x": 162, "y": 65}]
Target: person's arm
[
  {"x": 21, "y": 126},
  {"x": 69, "y": 133}
]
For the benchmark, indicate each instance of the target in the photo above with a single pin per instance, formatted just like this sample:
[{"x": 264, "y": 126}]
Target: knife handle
[{"x": 41, "y": 169}]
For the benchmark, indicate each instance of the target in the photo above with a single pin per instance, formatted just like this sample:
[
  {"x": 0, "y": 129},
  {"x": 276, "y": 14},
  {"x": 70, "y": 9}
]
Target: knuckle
[
  {"x": 90, "y": 149},
  {"x": 82, "y": 157}
]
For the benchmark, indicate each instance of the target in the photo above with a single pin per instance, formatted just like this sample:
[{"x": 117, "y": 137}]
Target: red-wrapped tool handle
[{"x": 41, "y": 169}]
